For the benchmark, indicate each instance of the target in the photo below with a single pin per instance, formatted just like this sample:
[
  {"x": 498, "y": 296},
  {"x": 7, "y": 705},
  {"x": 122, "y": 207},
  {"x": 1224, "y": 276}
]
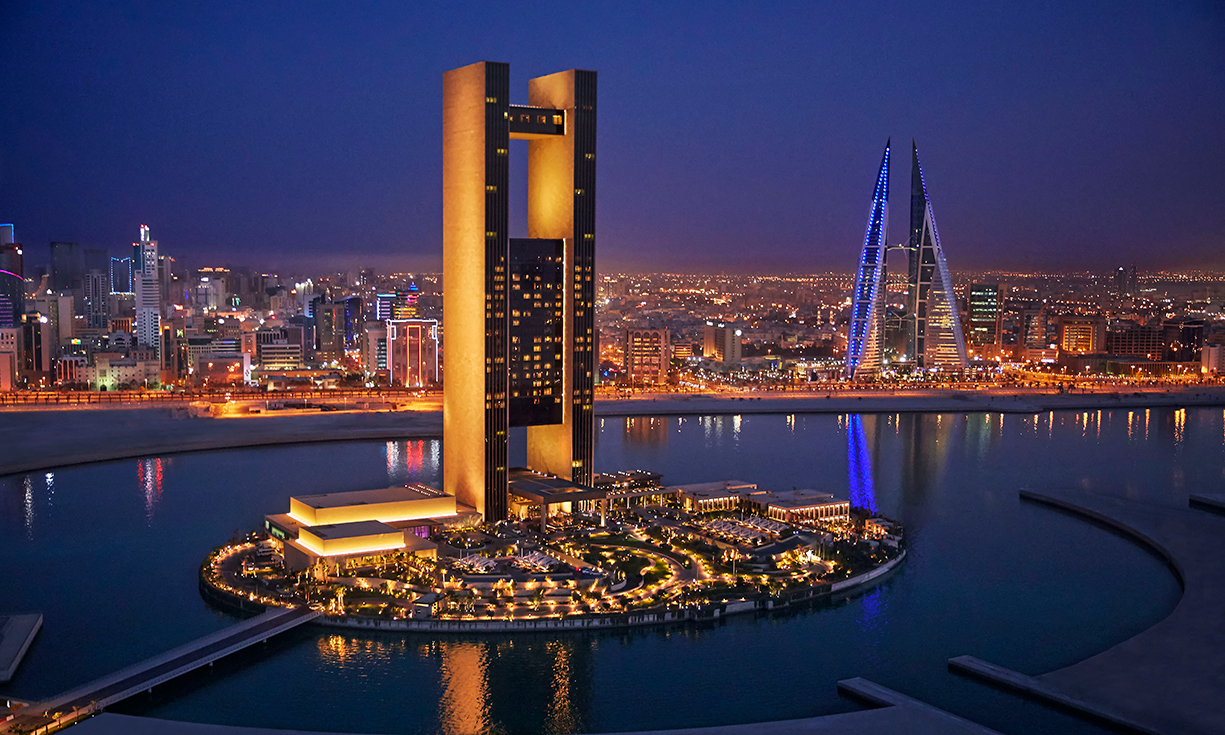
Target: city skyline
[{"x": 224, "y": 164}]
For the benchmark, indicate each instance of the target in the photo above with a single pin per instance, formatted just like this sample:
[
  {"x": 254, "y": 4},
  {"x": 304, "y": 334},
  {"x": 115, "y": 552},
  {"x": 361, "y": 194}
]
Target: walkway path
[
  {"x": 1170, "y": 678},
  {"x": 98, "y": 694}
]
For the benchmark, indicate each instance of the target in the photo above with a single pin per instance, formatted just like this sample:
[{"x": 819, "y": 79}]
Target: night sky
[{"x": 731, "y": 137}]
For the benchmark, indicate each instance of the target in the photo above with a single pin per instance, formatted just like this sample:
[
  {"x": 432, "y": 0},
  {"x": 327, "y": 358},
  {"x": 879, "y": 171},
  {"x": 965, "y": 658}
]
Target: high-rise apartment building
[
  {"x": 67, "y": 266},
  {"x": 148, "y": 291},
  {"x": 97, "y": 294},
  {"x": 722, "y": 343},
  {"x": 121, "y": 275},
  {"x": 37, "y": 347},
  {"x": 986, "y": 311},
  {"x": 1126, "y": 281},
  {"x": 330, "y": 331},
  {"x": 1033, "y": 327},
  {"x": 412, "y": 352},
  {"x": 648, "y": 355},
  {"x": 374, "y": 354},
  {"x": 546, "y": 354},
  {"x": 12, "y": 280}
]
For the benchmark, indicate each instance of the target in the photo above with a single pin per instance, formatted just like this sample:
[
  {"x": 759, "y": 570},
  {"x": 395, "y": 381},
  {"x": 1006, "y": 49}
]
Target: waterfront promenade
[
  {"x": 1170, "y": 678},
  {"x": 50, "y": 437}
]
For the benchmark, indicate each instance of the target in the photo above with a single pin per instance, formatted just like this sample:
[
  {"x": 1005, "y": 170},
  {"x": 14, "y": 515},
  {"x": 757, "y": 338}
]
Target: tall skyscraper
[
  {"x": 330, "y": 331},
  {"x": 97, "y": 299},
  {"x": 866, "y": 332},
  {"x": 67, "y": 266},
  {"x": 12, "y": 280},
  {"x": 148, "y": 292},
  {"x": 985, "y": 306},
  {"x": 480, "y": 260},
  {"x": 121, "y": 275},
  {"x": 936, "y": 339}
]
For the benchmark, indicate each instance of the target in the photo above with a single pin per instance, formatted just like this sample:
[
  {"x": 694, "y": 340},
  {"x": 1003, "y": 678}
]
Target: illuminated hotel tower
[
  {"x": 866, "y": 334},
  {"x": 518, "y": 312},
  {"x": 934, "y": 335}
]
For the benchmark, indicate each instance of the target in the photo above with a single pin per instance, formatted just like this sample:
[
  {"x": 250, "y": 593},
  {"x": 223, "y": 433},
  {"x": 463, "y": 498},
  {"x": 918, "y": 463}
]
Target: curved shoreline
[
  {"x": 612, "y": 621},
  {"x": 1164, "y": 679},
  {"x": 38, "y": 438}
]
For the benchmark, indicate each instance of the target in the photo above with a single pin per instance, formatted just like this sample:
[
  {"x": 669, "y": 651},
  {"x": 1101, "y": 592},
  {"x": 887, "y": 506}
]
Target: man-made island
[{"x": 627, "y": 551}]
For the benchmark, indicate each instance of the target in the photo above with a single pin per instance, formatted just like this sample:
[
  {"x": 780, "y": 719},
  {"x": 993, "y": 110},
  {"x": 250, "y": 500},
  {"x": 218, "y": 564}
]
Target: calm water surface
[{"x": 108, "y": 553}]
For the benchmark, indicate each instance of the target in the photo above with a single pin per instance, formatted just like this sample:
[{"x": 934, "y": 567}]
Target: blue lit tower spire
[
  {"x": 934, "y": 336},
  {"x": 866, "y": 334}
]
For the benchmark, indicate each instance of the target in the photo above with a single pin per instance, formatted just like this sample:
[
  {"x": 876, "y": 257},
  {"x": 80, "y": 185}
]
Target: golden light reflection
[
  {"x": 464, "y": 707},
  {"x": 562, "y": 716}
]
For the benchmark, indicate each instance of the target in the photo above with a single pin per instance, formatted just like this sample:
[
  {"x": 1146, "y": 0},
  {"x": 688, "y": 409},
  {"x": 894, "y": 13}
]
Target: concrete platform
[
  {"x": 1208, "y": 501},
  {"x": 1170, "y": 679},
  {"x": 16, "y": 634},
  {"x": 896, "y": 714}
]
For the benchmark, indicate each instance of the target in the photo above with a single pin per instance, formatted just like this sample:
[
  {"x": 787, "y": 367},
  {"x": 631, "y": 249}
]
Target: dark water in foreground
[{"x": 108, "y": 553}]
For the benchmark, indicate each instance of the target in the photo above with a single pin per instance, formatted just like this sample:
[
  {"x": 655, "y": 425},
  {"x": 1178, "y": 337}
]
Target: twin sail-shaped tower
[{"x": 933, "y": 328}]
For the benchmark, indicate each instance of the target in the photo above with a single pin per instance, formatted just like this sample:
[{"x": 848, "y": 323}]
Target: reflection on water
[
  {"x": 27, "y": 484},
  {"x": 646, "y": 431},
  {"x": 966, "y": 587},
  {"x": 464, "y": 706},
  {"x": 413, "y": 460},
  {"x": 149, "y": 480},
  {"x": 872, "y": 620},
  {"x": 859, "y": 462}
]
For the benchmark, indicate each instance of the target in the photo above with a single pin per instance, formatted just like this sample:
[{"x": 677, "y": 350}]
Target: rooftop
[
  {"x": 416, "y": 491},
  {"x": 547, "y": 488},
  {"x": 357, "y": 529},
  {"x": 721, "y": 489}
]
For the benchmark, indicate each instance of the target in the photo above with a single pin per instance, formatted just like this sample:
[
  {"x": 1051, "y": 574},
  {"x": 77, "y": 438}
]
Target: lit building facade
[
  {"x": 985, "y": 306},
  {"x": 412, "y": 352},
  {"x": 936, "y": 338},
  {"x": 486, "y": 344},
  {"x": 148, "y": 290},
  {"x": 1081, "y": 333},
  {"x": 866, "y": 332},
  {"x": 722, "y": 343},
  {"x": 97, "y": 299},
  {"x": 648, "y": 355},
  {"x": 12, "y": 280}
]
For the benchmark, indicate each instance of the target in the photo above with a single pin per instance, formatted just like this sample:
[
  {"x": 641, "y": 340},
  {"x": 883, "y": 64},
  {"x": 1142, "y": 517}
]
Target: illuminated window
[{"x": 492, "y": 100}]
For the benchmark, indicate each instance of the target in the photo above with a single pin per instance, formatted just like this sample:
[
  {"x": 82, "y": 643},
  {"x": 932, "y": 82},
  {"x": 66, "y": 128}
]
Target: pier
[{"x": 93, "y": 697}]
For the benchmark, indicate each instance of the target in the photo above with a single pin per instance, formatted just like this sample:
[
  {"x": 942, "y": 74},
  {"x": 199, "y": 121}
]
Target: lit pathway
[
  {"x": 1170, "y": 678},
  {"x": 97, "y": 694}
]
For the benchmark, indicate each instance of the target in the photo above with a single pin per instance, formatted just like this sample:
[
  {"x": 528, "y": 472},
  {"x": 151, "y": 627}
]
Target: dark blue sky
[{"x": 732, "y": 137}]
